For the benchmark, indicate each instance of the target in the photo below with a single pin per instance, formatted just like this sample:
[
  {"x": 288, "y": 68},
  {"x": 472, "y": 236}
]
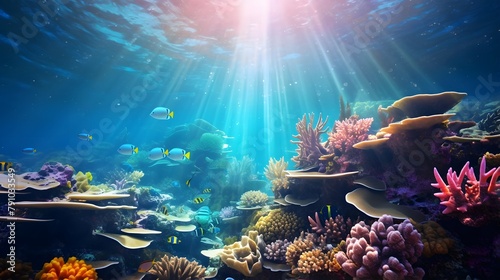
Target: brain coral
[
  {"x": 73, "y": 269},
  {"x": 279, "y": 224}
]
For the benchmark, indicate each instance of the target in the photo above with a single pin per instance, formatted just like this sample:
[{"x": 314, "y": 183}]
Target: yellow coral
[
  {"x": 135, "y": 176},
  {"x": 89, "y": 176},
  {"x": 279, "y": 224},
  {"x": 434, "y": 238},
  {"x": 72, "y": 270},
  {"x": 82, "y": 181},
  {"x": 312, "y": 261}
]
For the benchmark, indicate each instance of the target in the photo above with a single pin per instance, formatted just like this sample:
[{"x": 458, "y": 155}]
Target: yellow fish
[
  {"x": 173, "y": 240},
  {"x": 5, "y": 165},
  {"x": 198, "y": 200},
  {"x": 207, "y": 190}
]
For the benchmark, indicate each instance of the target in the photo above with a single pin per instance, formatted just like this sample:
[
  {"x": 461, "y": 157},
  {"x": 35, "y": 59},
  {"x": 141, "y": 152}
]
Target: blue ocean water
[{"x": 249, "y": 68}]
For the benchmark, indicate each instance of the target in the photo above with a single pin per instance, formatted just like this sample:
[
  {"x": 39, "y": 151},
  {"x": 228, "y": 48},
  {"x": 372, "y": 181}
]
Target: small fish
[
  {"x": 188, "y": 182},
  {"x": 29, "y": 150},
  {"x": 157, "y": 153},
  {"x": 213, "y": 229},
  {"x": 326, "y": 212},
  {"x": 198, "y": 200},
  {"x": 173, "y": 240},
  {"x": 5, "y": 165},
  {"x": 178, "y": 154},
  {"x": 162, "y": 113},
  {"x": 200, "y": 231},
  {"x": 145, "y": 266},
  {"x": 207, "y": 190},
  {"x": 85, "y": 136},
  {"x": 164, "y": 210},
  {"x": 128, "y": 149}
]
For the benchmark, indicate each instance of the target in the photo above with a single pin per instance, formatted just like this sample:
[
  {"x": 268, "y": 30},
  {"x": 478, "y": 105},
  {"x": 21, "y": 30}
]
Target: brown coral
[
  {"x": 303, "y": 243},
  {"x": 275, "y": 172},
  {"x": 279, "y": 224},
  {"x": 243, "y": 256},
  {"x": 435, "y": 238},
  {"x": 310, "y": 147},
  {"x": 174, "y": 268}
]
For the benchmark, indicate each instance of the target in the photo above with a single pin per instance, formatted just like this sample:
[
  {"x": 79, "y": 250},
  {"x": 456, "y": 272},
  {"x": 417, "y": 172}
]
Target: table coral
[
  {"x": 279, "y": 224},
  {"x": 72, "y": 269},
  {"x": 474, "y": 201},
  {"x": 383, "y": 251}
]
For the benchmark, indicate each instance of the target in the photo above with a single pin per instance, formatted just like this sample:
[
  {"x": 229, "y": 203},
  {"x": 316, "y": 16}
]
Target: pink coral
[
  {"x": 464, "y": 192},
  {"x": 348, "y": 132}
]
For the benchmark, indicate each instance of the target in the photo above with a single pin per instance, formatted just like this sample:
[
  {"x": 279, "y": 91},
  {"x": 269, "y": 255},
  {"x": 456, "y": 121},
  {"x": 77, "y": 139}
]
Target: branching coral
[
  {"x": 174, "y": 268},
  {"x": 335, "y": 229},
  {"x": 309, "y": 141},
  {"x": 347, "y": 133},
  {"x": 279, "y": 224},
  {"x": 275, "y": 172},
  {"x": 276, "y": 251},
  {"x": 253, "y": 198},
  {"x": 383, "y": 251},
  {"x": 475, "y": 201},
  {"x": 73, "y": 269}
]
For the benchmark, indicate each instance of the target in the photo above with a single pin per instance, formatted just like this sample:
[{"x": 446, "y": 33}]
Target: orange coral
[{"x": 72, "y": 270}]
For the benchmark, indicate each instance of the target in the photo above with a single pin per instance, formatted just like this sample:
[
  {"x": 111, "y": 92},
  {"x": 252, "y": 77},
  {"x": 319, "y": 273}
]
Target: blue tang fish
[
  {"x": 128, "y": 149},
  {"x": 162, "y": 113}
]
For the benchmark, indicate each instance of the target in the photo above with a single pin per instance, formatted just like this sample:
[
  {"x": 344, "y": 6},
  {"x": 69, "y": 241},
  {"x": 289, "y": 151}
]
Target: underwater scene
[{"x": 249, "y": 139}]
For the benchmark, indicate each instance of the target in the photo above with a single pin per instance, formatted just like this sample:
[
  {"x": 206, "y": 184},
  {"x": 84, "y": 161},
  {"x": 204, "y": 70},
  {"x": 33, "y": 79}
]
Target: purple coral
[
  {"x": 276, "y": 251},
  {"x": 383, "y": 251},
  {"x": 53, "y": 170},
  {"x": 228, "y": 212}
]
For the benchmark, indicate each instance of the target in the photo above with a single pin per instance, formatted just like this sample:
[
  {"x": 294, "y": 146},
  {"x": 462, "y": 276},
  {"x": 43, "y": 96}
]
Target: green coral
[{"x": 209, "y": 142}]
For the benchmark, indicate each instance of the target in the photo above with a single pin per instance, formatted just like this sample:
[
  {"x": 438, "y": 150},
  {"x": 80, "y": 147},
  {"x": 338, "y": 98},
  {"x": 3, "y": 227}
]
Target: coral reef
[
  {"x": 309, "y": 148},
  {"x": 228, "y": 212},
  {"x": 275, "y": 172},
  {"x": 19, "y": 271},
  {"x": 210, "y": 142},
  {"x": 335, "y": 229},
  {"x": 279, "y": 224},
  {"x": 72, "y": 269},
  {"x": 475, "y": 202},
  {"x": 383, "y": 251},
  {"x": 491, "y": 122},
  {"x": 54, "y": 170},
  {"x": 174, "y": 268},
  {"x": 347, "y": 133},
  {"x": 253, "y": 199},
  {"x": 135, "y": 176},
  {"x": 276, "y": 251},
  {"x": 82, "y": 181},
  {"x": 435, "y": 238},
  {"x": 244, "y": 256}
]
